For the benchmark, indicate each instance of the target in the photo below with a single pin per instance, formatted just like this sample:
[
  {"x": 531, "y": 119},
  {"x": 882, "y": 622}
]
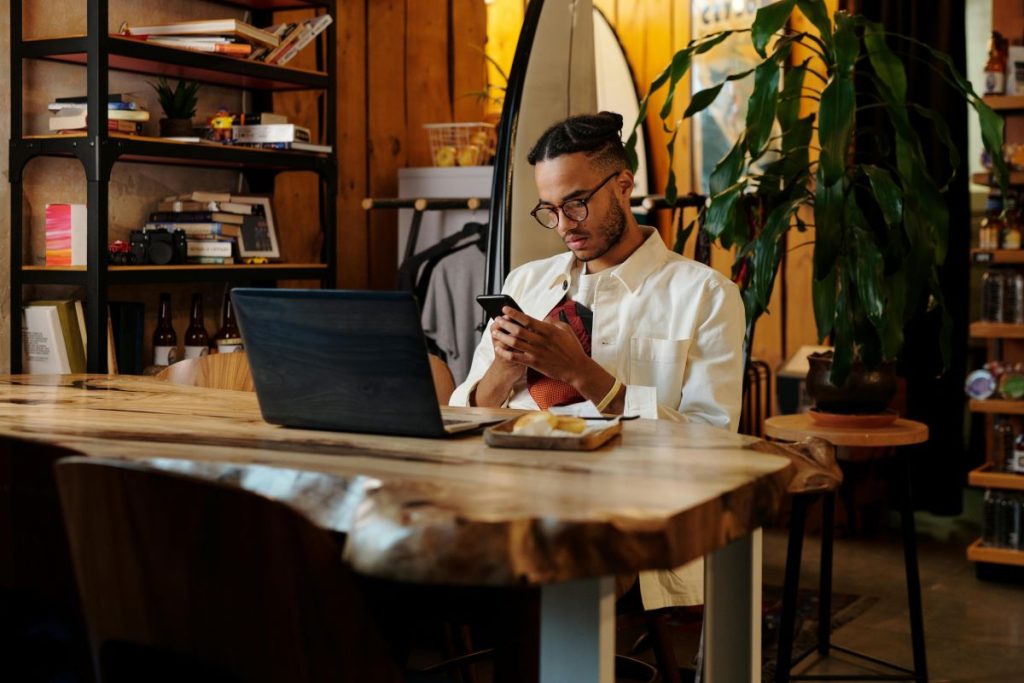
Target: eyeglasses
[{"x": 573, "y": 209}]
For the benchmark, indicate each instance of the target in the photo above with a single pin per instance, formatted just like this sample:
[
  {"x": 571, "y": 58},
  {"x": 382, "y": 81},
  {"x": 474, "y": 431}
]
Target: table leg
[
  {"x": 577, "y": 631},
  {"x": 732, "y": 615},
  {"x": 913, "y": 577}
]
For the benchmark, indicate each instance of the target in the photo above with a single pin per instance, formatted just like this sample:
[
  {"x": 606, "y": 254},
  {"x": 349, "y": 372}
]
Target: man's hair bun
[{"x": 598, "y": 135}]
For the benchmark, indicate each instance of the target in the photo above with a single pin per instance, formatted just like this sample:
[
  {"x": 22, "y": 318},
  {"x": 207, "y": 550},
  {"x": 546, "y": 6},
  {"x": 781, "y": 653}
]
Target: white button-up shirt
[{"x": 671, "y": 329}]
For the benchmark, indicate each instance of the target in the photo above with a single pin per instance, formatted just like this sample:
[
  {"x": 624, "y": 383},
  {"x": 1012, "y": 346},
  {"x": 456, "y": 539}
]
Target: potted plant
[
  {"x": 880, "y": 219},
  {"x": 179, "y": 105}
]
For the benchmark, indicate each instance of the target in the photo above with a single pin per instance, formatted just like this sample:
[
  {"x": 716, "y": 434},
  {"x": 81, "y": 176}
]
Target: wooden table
[
  {"x": 901, "y": 432},
  {"x": 453, "y": 511}
]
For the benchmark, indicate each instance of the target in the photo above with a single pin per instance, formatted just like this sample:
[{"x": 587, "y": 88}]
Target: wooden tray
[{"x": 501, "y": 436}]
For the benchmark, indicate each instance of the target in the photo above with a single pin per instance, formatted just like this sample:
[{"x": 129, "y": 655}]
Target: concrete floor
[{"x": 974, "y": 629}]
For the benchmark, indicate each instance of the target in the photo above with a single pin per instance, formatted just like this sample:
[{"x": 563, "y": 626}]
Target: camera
[{"x": 159, "y": 247}]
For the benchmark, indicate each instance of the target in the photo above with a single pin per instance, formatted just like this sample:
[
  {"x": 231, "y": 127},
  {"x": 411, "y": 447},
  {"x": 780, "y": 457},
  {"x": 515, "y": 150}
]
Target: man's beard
[{"x": 611, "y": 231}]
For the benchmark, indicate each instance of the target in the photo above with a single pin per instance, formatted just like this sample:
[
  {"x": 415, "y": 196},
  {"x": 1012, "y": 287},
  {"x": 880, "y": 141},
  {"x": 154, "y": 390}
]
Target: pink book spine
[{"x": 58, "y": 234}]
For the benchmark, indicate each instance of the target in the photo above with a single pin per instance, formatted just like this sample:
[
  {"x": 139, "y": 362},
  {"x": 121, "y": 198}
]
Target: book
[
  {"x": 84, "y": 99},
  {"x": 259, "y": 118},
  {"x": 66, "y": 235},
  {"x": 80, "y": 314},
  {"x": 203, "y": 196},
  {"x": 62, "y": 124},
  {"x": 42, "y": 342},
  {"x": 173, "y": 204},
  {"x": 197, "y": 229},
  {"x": 294, "y": 146},
  {"x": 227, "y": 48},
  {"x": 236, "y": 207},
  {"x": 317, "y": 25},
  {"x": 276, "y": 132},
  {"x": 211, "y": 260},
  {"x": 224, "y": 27},
  {"x": 70, "y": 331},
  {"x": 111, "y": 346},
  {"x": 67, "y": 119},
  {"x": 195, "y": 217},
  {"x": 111, "y": 106},
  {"x": 292, "y": 36},
  {"x": 212, "y": 248}
]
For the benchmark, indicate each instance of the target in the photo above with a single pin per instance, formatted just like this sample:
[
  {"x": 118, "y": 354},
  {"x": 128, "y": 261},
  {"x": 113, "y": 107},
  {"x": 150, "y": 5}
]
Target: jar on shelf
[
  {"x": 992, "y": 226},
  {"x": 1011, "y": 235},
  {"x": 1013, "y": 298},
  {"x": 992, "y": 296},
  {"x": 1003, "y": 444}
]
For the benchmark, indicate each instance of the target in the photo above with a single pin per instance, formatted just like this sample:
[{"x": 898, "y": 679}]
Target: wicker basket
[{"x": 461, "y": 144}]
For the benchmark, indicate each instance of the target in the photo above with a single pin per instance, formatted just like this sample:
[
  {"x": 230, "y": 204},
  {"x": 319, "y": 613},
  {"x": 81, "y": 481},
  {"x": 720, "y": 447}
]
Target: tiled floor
[{"x": 974, "y": 630}]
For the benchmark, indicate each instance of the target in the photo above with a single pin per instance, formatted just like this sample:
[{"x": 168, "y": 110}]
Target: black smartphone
[{"x": 493, "y": 303}]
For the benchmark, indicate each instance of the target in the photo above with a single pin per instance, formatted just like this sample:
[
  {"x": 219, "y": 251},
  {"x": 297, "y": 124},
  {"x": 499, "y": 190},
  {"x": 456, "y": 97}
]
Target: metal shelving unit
[{"x": 98, "y": 150}]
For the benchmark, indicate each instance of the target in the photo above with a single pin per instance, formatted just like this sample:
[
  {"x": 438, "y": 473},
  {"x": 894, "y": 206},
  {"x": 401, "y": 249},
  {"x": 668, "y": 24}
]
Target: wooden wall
[{"x": 401, "y": 63}]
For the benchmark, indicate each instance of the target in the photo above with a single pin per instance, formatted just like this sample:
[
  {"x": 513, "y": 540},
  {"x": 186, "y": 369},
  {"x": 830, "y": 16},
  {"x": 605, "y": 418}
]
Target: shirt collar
[{"x": 630, "y": 272}]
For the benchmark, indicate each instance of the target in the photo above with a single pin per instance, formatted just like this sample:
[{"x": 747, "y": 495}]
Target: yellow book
[{"x": 70, "y": 330}]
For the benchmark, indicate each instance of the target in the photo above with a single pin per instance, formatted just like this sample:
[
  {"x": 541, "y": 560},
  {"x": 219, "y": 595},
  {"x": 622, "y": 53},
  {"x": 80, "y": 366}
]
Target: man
[{"x": 620, "y": 320}]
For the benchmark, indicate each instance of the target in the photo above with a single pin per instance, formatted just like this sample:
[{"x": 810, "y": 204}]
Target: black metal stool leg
[
  {"x": 828, "y": 508},
  {"x": 913, "y": 577},
  {"x": 791, "y": 585}
]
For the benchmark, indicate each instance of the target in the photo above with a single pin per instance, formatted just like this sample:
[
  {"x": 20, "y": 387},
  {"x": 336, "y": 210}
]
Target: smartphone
[{"x": 493, "y": 303}]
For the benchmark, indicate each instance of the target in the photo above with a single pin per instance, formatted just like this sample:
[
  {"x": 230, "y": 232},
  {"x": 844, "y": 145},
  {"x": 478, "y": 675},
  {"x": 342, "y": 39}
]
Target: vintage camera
[{"x": 159, "y": 247}]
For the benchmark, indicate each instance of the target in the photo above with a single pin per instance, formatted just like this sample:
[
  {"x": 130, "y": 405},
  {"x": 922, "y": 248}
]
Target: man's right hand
[{"x": 496, "y": 384}]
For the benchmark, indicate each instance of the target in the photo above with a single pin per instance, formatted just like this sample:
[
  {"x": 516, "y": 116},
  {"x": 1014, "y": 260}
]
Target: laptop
[{"x": 350, "y": 361}]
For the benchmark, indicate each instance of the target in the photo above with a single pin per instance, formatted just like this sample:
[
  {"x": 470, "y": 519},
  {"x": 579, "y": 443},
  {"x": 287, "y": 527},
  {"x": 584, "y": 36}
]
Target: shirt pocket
[{"x": 659, "y": 363}]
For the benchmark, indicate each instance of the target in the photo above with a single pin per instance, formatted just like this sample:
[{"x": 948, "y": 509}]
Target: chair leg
[
  {"x": 698, "y": 674},
  {"x": 913, "y": 577},
  {"x": 664, "y": 654},
  {"x": 790, "y": 587},
  {"x": 828, "y": 508}
]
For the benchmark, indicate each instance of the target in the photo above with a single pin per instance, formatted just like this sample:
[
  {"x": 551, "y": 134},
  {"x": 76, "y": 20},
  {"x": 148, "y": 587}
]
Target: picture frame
[{"x": 258, "y": 237}]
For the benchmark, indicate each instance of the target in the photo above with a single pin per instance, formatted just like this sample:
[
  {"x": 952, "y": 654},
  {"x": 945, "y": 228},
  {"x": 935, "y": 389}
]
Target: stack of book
[
  {"x": 123, "y": 115},
  {"x": 293, "y": 38},
  {"x": 276, "y": 136},
  {"x": 211, "y": 221},
  {"x": 225, "y": 36}
]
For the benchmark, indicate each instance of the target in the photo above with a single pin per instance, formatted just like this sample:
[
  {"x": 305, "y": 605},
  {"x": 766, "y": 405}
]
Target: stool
[{"x": 899, "y": 433}]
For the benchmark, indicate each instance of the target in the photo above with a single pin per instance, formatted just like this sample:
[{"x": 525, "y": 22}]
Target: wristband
[{"x": 610, "y": 396}]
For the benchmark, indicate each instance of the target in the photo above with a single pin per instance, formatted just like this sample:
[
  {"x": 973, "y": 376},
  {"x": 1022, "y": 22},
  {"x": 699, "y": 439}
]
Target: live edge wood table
[
  {"x": 900, "y": 432},
  {"x": 454, "y": 511}
]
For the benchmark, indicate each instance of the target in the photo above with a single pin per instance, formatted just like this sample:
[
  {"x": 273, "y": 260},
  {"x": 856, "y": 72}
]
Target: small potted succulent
[{"x": 179, "y": 105}]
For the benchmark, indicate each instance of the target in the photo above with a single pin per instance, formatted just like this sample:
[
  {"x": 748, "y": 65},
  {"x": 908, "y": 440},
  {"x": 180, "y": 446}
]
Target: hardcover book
[{"x": 66, "y": 235}]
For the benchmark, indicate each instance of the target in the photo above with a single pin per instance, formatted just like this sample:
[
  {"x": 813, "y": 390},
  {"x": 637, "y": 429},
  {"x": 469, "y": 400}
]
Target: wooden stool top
[{"x": 796, "y": 427}]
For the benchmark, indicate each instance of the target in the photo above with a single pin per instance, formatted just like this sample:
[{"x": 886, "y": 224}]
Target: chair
[
  {"x": 42, "y": 634},
  {"x": 187, "y": 579},
  {"x": 444, "y": 382},
  {"x": 213, "y": 371}
]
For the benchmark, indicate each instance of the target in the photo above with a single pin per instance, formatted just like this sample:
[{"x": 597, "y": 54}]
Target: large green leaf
[
  {"x": 721, "y": 214},
  {"x": 823, "y": 295},
  {"x": 925, "y": 200},
  {"x": 891, "y": 332},
  {"x": 769, "y": 20},
  {"x": 796, "y": 154},
  {"x": 789, "y": 98},
  {"x": 847, "y": 44},
  {"x": 680, "y": 65},
  {"x": 702, "y": 99},
  {"x": 835, "y": 125},
  {"x": 682, "y": 235},
  {"x": 864, "y": 262},
  {"x": 917, "y": 262},
  {"x": 942, "y": 132},
  {"x": 768, "y": 248},
  {"x": 727, "y": 170},
  {"x": 888, "y": 67},
  {"x": 992, "y": 138},
  {"x": 843, "y": 339},
  {"x": 817, "y": 13},
  {"x": 761, "y": 107},
  {"x": 886, "y": 192},
  {"x": 828, "y": 221}
]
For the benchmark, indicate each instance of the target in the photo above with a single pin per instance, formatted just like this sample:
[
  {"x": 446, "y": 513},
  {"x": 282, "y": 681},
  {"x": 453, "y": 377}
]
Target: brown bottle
[
  {"x": 165, "y": 341},
  {"x": 227, "y": 339},
  {"x": 197, "y": 341}
]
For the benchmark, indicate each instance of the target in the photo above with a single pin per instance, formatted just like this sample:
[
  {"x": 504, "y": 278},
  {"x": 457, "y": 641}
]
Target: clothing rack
[{"x": 419, "y": 207}]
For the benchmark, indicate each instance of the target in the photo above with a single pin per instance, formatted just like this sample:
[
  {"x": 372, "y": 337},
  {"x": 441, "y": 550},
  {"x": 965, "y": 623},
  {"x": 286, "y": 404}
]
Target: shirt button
[{"x": 565, "y": 285}]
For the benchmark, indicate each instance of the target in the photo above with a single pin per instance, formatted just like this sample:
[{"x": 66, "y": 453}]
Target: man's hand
[
  {"x": 549, "y": 347},
  {"x": 505, "y": 371}
]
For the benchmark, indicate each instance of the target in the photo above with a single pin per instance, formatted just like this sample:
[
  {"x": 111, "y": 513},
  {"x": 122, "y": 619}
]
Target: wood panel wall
[{"x": 401, "y": 63}]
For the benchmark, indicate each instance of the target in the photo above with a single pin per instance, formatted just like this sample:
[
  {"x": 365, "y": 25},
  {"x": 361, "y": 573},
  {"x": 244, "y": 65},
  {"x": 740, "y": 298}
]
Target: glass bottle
[
  {"x": 992, "y": 296},
  {"x": 228, "y": 339},
  {"x": 1015, "y": 463},
  {"x": 995, "y": 67},
  {"x": 988, "y": 521},
  {"x": 197, "y": 340},
  {"x": 1002, "y": 444},
  {"x": 992, "y": 225},
  {"x": 1011, "y": 234},
  {"x": 165, "y": 341}
]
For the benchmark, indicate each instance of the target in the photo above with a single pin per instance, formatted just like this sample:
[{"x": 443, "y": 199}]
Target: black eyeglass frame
[{"x": 560, "y": 208}]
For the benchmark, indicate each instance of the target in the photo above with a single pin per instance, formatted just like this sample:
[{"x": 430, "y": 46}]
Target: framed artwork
[
  {"x": 258, "y": 237},
  {"x": 716, "y": 129}
]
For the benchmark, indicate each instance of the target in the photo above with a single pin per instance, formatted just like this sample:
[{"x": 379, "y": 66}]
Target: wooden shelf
[
  {"x": 136, "y": 56},
  {"x": 76, "y": 275},
  {"x": 1016, "y": 178},
  {"x": 982, "y": 330},
  {"x": 998, "y": 406},
  {"x": 976, "y": 552},
  {"x": 1005, "y": 102},
  {"x": 997, "y": 256},
  {"x": 984, "y": 477}
]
